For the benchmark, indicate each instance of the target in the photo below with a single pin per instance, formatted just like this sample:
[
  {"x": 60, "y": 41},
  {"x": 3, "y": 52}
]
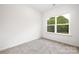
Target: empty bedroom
[{"x": 39, "y": 28}]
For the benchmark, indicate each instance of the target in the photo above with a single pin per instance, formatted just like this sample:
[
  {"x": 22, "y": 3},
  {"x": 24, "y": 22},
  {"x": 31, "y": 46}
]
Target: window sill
[{"x": 64, "y": 34}]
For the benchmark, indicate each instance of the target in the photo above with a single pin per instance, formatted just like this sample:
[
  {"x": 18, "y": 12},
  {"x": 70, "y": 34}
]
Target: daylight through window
[{"x": 58, "y": 24}]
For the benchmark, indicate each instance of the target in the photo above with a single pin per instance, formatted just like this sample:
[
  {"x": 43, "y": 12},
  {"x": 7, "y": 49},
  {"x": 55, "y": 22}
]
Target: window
[
  {"x": 51, "y": 25},
  {"x": 58, "y": 24}
]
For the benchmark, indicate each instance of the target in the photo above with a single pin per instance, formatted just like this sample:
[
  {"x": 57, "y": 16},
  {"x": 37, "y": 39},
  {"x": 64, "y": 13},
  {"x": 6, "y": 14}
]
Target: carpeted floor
[{"x": 42, "y": 46}]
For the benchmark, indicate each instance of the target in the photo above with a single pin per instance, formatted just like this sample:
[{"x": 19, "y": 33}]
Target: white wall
[
  {"x": 73, "y": 38},
  {"x": 18, "y": 24}
]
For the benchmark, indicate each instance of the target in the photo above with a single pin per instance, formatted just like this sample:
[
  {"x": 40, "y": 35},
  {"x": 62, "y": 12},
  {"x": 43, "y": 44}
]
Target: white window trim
[{"x": 60, "y": 24}]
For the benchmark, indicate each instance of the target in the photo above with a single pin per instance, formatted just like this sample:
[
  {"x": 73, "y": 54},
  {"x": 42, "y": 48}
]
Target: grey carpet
[{"x": 42, "y": 46}]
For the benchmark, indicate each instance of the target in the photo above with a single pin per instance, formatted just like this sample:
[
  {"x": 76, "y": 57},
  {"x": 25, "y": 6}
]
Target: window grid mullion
[
  {"x": 55, "y": 24},
  {"x": 62, "y": 24}
]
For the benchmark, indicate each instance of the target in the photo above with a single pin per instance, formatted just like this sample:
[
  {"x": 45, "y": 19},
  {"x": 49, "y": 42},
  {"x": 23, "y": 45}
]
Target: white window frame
[{"x": 55, "y": 26}]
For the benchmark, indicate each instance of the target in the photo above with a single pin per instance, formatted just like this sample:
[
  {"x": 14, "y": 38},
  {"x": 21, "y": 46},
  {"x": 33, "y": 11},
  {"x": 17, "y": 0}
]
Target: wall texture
[
  {"x": 18, "y": 24},
  {"x": 73, "y": 10}
]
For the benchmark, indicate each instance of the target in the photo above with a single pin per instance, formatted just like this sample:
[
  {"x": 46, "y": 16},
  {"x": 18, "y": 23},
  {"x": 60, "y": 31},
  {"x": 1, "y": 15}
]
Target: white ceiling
[
  {"x": 42, "y": 7},
  {"x": 46, "y": 7}
]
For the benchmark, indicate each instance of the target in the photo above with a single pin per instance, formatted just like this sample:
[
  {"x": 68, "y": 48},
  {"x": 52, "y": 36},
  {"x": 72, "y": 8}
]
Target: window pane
[
  {"x": 51, "y": 20},
  {"x": 63, "y": 28},
  {"x": 62, "y": 20},
  {"x": 50, "y": 28}
]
